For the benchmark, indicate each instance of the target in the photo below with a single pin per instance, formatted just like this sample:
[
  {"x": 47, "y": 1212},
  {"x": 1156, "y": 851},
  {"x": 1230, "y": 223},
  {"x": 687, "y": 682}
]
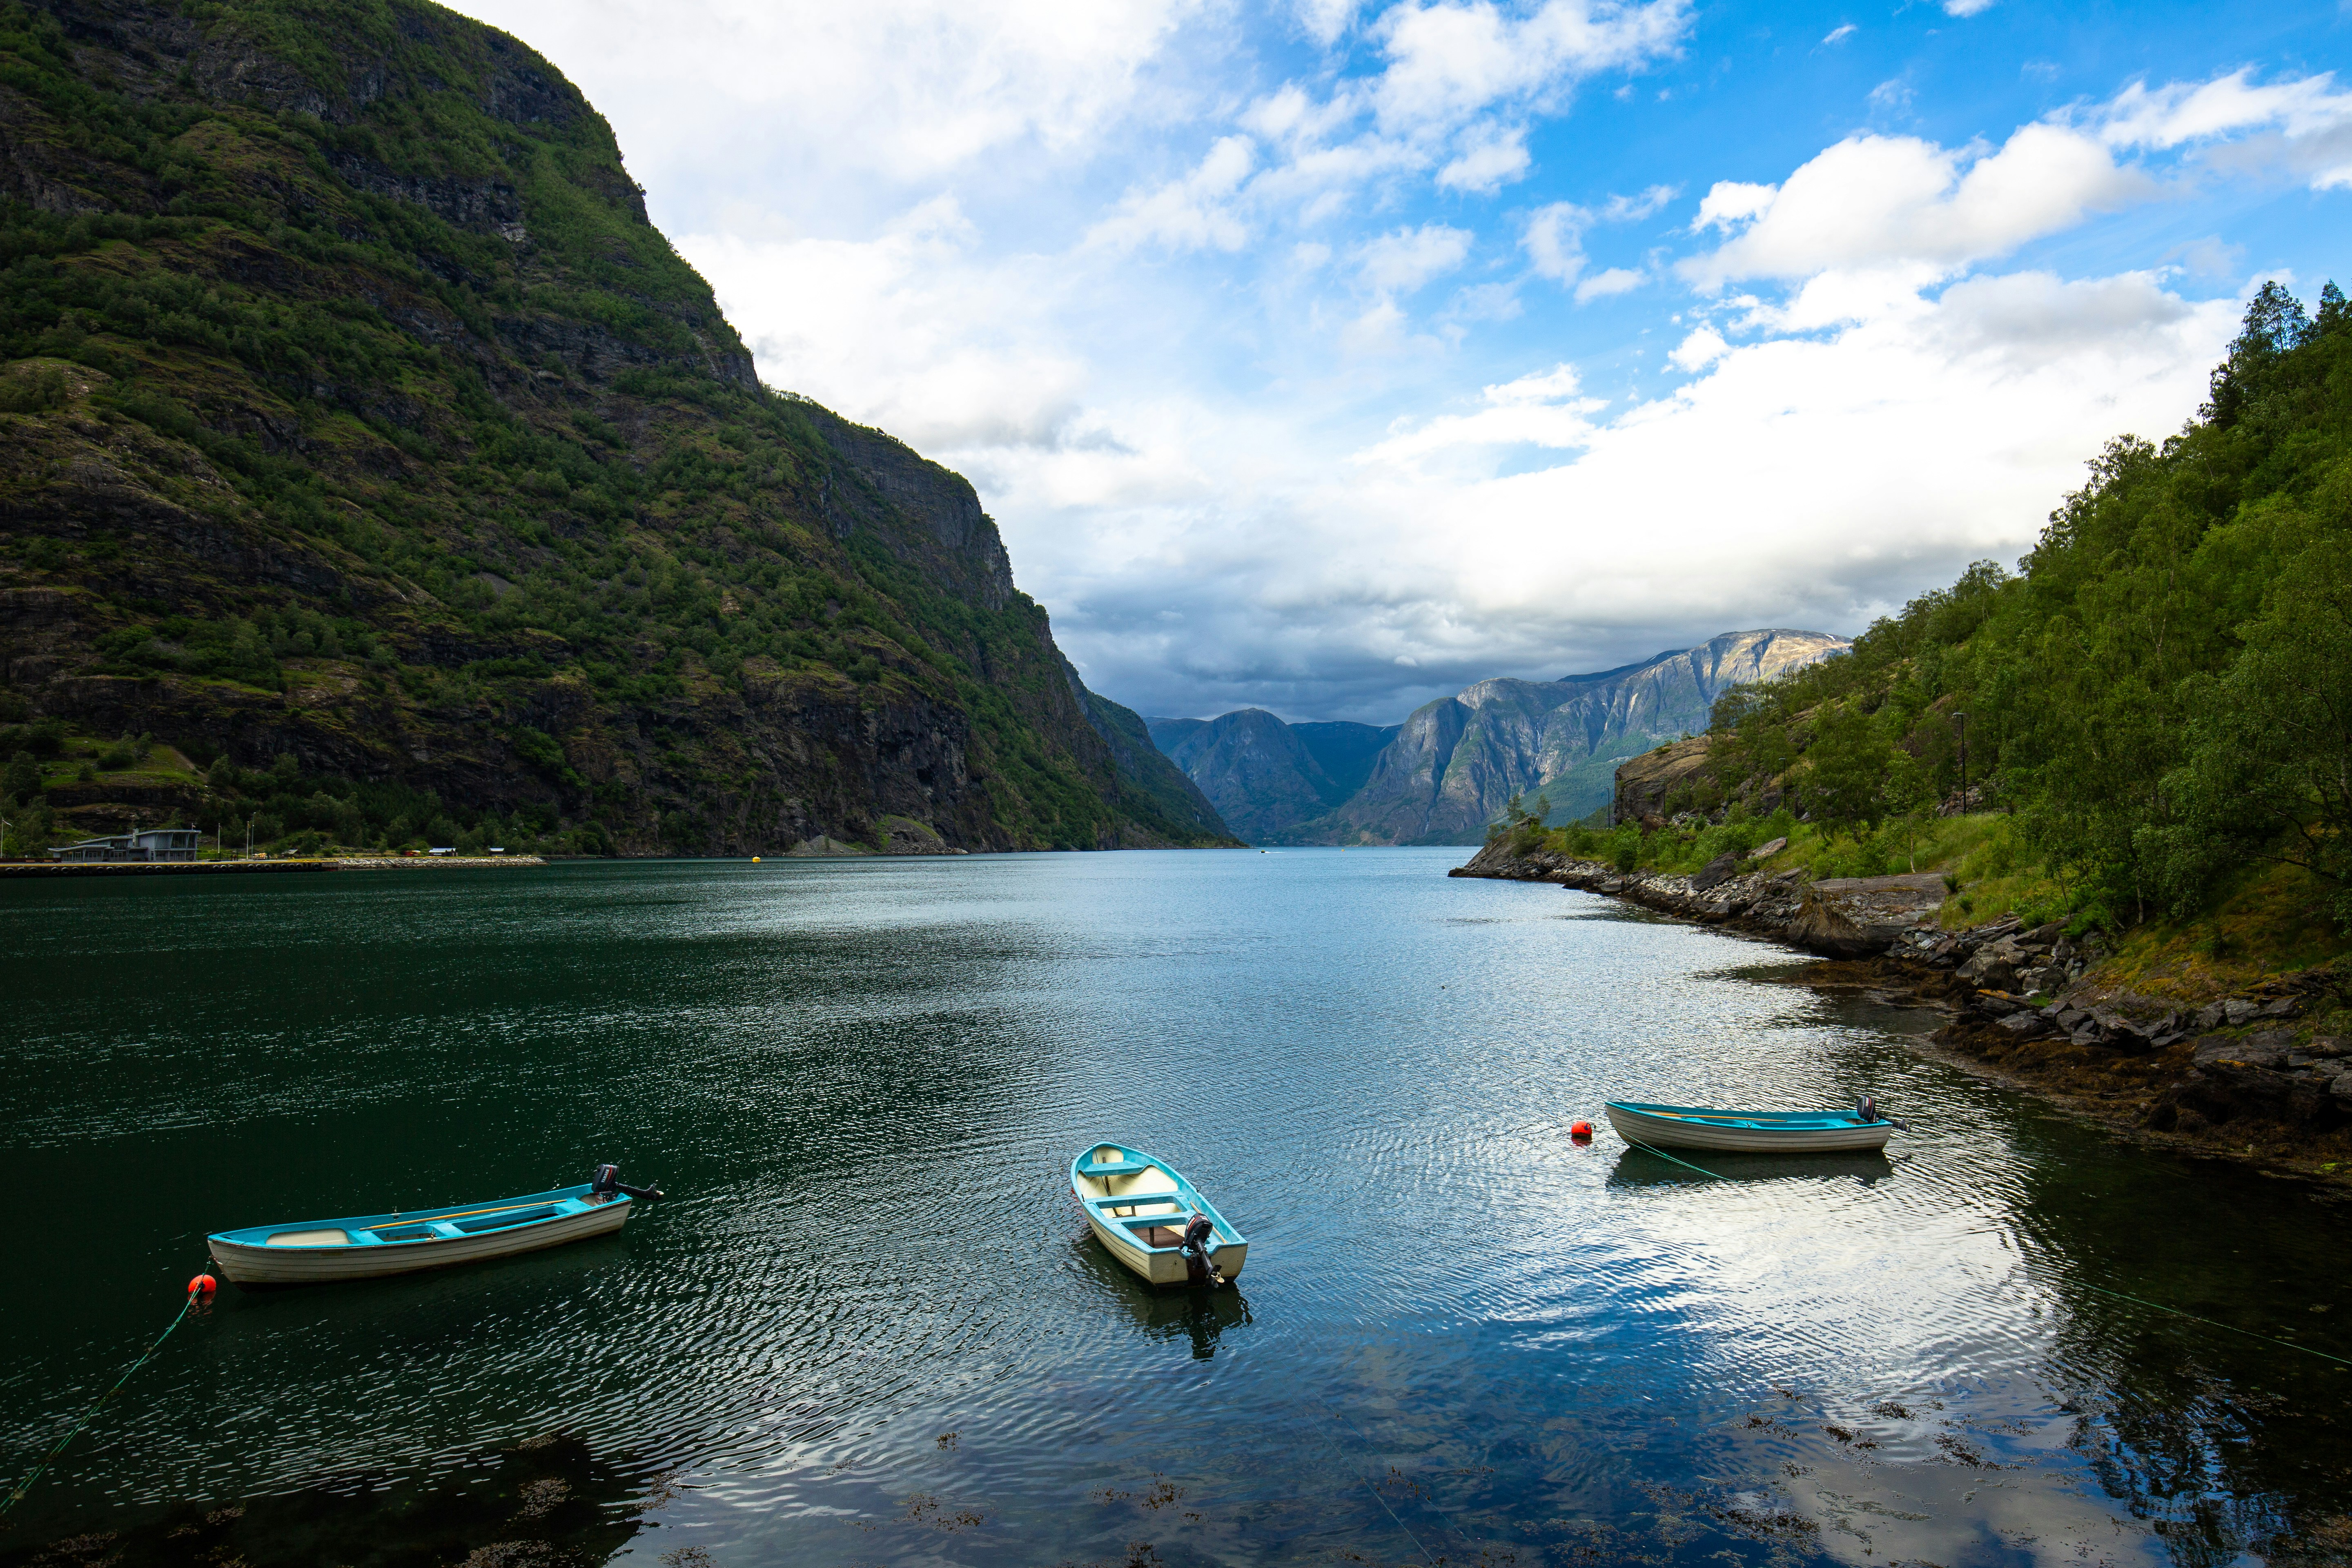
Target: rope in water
[
  {"x": 1685, "y": 1164},
  {"x": 2119, "y": 1295},
  {"x": 1367, "y": 1481},
  {"x": 2193, "y": 1318},
  {"x": 50, "y": 1457}
]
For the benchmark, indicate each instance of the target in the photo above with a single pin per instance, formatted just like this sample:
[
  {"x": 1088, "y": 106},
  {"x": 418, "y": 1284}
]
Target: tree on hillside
[
  {"x": 2270, "y": 768},
  {"x": 1907, "y": 795},
  {"x": 1843, "y": 788},
  {"x": 2275, "y": 324}
]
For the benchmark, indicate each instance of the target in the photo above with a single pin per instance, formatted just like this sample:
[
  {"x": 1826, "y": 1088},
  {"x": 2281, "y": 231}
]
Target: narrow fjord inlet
[{"x": 869, "y": 1323}]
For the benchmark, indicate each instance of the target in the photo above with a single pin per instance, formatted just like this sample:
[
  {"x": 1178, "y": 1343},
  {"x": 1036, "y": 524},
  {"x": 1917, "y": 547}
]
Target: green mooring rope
[
  {"x": 2119, "y": 1295},
  {"x": 48, "y": 1459},
  {"x": 1685, "y": 1164},
  {"x": 2209, "y": 1322}
]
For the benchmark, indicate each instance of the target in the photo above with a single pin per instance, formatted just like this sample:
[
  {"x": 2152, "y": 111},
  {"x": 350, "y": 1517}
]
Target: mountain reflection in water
[{"x": 869, "y": 1324}]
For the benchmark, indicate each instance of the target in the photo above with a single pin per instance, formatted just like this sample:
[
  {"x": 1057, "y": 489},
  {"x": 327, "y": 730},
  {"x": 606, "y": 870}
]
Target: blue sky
[{"x": 1327, "y": 357}]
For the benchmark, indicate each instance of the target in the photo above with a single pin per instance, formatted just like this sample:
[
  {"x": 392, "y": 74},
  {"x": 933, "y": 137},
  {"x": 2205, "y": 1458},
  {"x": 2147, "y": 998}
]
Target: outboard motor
[
  {"x": 1865, "y": 1111},
  {"x": 605, "y": 1180},
  {"x": 1198, "y": 1270}
]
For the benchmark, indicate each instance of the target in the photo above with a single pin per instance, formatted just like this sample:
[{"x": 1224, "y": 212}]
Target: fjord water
[{"x": 868, "y": 1325}]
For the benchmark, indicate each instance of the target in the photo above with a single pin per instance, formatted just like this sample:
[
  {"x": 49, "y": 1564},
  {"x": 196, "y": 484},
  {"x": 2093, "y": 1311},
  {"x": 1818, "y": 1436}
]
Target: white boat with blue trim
[
  {"x": 1153, "y": 1220},
  {"x": 1751, "y": 1132},
  {"x": 367, "y": 1246}
]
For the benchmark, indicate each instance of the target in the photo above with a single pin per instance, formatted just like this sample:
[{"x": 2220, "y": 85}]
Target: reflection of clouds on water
[{"x": 862, "y": 1082}]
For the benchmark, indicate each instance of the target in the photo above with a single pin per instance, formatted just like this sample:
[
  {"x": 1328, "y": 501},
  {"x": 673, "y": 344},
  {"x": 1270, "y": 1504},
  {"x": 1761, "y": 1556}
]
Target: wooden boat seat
[
  {"x": 1114, "y": 1168},
  {"x": 311, "y": 1238}
]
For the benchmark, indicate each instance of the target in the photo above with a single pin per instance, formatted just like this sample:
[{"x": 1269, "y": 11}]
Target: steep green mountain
[
  {"x": 364, "y": 445},
  {"x": 2157, "y": 703}
]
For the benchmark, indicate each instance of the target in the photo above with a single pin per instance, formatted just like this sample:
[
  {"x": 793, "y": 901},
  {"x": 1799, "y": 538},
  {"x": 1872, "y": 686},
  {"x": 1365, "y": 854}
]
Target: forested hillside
[
  {"x": 370, "y": 464},
  {"x": 2155, "y": 707}
]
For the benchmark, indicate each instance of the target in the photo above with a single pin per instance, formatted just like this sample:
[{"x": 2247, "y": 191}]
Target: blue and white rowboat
[
  {"x": 313, "y": 1251},
  {"x": 1138, "y": 1206},
  {"x": 1748, "y": 1132}
]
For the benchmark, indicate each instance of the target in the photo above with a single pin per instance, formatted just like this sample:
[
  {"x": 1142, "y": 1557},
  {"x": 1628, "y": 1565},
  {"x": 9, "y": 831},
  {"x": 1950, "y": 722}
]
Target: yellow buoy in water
[{"x": 755, "y": 859}]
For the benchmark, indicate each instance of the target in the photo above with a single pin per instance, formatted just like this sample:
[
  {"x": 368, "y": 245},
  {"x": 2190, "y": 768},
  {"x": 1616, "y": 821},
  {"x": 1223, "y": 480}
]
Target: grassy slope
[{"x": 353, "y": 412}]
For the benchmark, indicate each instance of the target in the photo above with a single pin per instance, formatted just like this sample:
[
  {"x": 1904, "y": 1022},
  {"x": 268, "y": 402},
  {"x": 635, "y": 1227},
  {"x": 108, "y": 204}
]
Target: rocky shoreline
[{"x": 2263, "y": 1076}]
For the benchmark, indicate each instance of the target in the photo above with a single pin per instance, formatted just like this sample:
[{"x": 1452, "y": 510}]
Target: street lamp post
[{"x": 1960, "y": 723}]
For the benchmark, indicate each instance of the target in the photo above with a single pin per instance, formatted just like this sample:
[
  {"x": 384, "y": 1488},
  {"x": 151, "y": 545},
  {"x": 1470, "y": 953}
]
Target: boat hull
[
  {"x": 1681, "y": 1133},
  {"x": 1160, "y": 1267},
  {"x": 1137, "y": 1206},
  {"x": 246, "y": 1263}
]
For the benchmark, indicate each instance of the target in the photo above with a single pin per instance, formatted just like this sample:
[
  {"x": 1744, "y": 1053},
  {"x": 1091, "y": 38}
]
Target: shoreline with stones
[{"x": 2260, "y": 1076}]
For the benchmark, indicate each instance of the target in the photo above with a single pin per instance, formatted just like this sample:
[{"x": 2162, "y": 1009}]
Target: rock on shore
[
  {"x": 1856, "y": 917},
  {"x": 2266, "y": 1075}
]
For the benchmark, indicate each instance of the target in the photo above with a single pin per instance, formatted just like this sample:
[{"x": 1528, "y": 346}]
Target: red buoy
[
  {"x": 202, "y": 1285},
  {"x": 1580, "y": 1130}
]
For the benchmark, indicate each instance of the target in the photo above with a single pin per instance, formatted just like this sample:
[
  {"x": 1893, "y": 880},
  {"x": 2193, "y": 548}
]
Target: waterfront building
[{"x": 153, "y": 844}]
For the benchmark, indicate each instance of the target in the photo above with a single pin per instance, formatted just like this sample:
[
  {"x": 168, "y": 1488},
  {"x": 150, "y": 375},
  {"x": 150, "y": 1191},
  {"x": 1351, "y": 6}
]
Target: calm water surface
[{"x": 869, "y": 1327}]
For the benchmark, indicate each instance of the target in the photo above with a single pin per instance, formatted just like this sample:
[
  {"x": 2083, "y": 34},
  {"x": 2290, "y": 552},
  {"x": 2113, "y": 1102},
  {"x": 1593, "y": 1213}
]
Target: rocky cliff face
[
  {"x": 1264, "y": 776},
  {"x": 1256, "y": 771},
  {"x": 1643, "y": 783},
  {"x": 352, "y": 412},
  {"x": 1456, "y": 763}
]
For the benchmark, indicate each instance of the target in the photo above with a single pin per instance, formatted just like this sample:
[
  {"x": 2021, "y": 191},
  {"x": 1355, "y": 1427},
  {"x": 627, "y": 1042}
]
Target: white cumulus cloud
[
  {"x": 1877, "y": 201},
  {"x": 1489, "y": 163}
]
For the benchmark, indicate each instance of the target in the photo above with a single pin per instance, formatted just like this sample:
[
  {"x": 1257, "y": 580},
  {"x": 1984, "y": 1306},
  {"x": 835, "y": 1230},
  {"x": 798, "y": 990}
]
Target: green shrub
[
  {"x": 33, "y": 391},
  {"x": 22, "y": 776}
]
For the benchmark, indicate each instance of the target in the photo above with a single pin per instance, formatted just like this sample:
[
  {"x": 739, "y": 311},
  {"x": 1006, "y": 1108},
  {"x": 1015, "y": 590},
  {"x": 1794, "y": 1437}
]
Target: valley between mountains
[{"x": 1456, "y": 765}]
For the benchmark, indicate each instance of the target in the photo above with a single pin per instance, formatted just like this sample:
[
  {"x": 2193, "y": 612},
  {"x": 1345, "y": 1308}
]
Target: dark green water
[{"x": 1459, "y": 1337}]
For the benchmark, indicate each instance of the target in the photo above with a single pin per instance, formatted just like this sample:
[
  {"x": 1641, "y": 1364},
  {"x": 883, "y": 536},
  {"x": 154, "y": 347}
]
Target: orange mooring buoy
[
  {"x": 202, "y": 1285},
  {"x": 1580, "y": 1130}
]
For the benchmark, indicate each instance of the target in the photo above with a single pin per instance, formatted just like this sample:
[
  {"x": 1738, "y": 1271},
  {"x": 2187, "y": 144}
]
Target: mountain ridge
[{"x": 1454, "y": 764}]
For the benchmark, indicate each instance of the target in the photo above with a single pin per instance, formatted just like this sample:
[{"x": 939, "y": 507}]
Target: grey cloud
[
  {"x": 2034, "y": 318},
  {"x": 1207, "y": 644}
]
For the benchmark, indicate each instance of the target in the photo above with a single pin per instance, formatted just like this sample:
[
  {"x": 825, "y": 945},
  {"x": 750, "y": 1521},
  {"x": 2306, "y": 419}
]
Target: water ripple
[{"x": 864, "y": 1081}]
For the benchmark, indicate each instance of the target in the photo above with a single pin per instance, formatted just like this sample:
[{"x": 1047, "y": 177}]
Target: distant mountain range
[
  {"x": 1452, "y": 766},
  {"x": 1265, "y": 776}
]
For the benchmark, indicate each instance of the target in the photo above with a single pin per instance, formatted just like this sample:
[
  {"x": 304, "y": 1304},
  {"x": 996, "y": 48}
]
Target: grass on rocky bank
[{"x": 2269, "y": 919}]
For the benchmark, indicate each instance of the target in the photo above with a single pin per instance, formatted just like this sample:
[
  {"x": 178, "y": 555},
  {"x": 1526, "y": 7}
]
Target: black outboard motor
[
  {"x": 605, "y": 1180},
  {"x": 1198, "y": 1270},
  {"x": 1865, "y": 1111}
]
